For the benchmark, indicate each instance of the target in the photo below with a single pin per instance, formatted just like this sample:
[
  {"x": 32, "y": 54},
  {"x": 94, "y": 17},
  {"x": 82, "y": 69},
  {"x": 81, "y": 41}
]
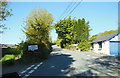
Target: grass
[{"x": 7, "y": 57}]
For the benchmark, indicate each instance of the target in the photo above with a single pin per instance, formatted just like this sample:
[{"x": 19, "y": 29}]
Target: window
[
  {"x": 92, "y": 45},
  {"x": 100, "y": 44}
]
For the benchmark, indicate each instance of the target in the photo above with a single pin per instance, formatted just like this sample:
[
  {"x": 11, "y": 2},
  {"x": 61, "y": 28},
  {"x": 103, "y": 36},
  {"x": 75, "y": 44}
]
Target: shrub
[
  {"x": 8, "y": 60},
  {"x": 84, "y": 46},
  {"x": 11, "y": 51},
  {"x": 23, "y": 46},
  {"x": 58, "y": 42}
]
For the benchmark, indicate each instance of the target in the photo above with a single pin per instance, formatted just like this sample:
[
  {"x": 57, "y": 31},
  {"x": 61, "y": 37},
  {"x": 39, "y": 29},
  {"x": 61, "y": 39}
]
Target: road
[{"x": 62, "y": 62}]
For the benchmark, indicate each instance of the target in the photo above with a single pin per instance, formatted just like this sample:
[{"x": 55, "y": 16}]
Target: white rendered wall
[
  {"x": 106, "y": 47},
  {"x": 104, "y": 50},
  {"x": 116, "y": 38}
]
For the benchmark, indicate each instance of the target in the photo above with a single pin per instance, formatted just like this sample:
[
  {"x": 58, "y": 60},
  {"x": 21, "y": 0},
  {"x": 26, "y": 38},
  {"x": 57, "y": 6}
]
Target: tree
[
  {"x": 81, "y": 30},
  {"x": 71, "y": 31},
  {"x": 64, "y": 29},
  {"x": 81, "y": 34},
  {"x": 38, "y": 25},
  {"x": 4, "y": 12}
]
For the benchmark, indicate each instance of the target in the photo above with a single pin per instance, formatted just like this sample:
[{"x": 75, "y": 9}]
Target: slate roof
[{"x": 105, "y": 37}]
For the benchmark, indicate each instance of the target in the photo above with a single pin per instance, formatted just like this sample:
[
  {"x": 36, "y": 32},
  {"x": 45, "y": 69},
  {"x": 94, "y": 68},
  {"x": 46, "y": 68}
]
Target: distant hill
[{"x": 8, "y": 45}]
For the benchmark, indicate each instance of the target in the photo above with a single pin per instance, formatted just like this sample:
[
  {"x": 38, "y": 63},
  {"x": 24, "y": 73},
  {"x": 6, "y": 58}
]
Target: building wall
[
  {"x": 103, "y": 50},
  {"x": 116, "y": 38},
  {"x": 105, "y": 46}
]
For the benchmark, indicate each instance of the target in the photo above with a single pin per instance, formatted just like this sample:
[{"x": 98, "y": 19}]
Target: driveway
[{"x": 62, "y": 62}]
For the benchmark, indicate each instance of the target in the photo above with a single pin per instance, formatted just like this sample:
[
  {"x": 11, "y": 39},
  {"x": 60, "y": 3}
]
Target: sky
[{"x": 103, "y": 16}]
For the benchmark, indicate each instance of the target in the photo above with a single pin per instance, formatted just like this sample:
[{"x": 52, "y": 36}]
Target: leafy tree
[
  {"x": 81, "y": 34},
  {"x": 71, "y": 31},
  {"x": 38, "y": 25},
  {"x": 4, "y": 12},
  {"x": 81, "y": 30},
  {"x": 64, "y": 29}
]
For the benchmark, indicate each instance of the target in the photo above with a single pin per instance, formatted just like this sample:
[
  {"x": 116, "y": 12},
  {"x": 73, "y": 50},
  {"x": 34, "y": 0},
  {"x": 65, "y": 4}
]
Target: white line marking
[
  {"x": 26, "y": 75},
  {"x": 35, "y": 67},
  {"x": 27, "y": 69},
  {"x": 23, "y": 71},
  {"x": 41, "y": 63},
  {"x": 30, "y": 67},
  {"x": 31, "y": 71},
  {"x": 38, "y": 65}
]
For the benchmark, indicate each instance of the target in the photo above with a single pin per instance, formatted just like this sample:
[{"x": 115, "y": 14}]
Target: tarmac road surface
[{"x": 62, "y": 62}]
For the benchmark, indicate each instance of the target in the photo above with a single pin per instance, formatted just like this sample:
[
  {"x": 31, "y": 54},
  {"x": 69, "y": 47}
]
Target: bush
[
  {"x": 10, "y": 51},
  {"x": 84, "y": 46},
  {"x": 45, "y": 50},
  {"x": 23, "y": 46},
  {"x": 42, "y": 54},
  {"x": 70, "y": 46},
  {"x": 8, "y": 60},
  {"x": 58, "y": 42}
]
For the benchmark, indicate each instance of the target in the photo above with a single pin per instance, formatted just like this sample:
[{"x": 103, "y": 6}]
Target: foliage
[
  {"x": 43, "y": 53},
  {"x": 11, "y": 51},
  {"x": 7, "y": 57},
  {"x": 64, "y": 29},
  {"x": 72, "y": 31},
  {"x": 4, "y": 12},
  {"x": 102, "y": 34},
  {"x": 23, "y": 46},
  {"x": 38, "y": 25},
  {"x": 37, "y": 30},
  {"x": 81, "y": 30},
  {"x": 71, "y": 47},
  {"x": 58, "y": 42},
  {"x": 84, "y": 46},
  {"x": 8, "y": 60}
]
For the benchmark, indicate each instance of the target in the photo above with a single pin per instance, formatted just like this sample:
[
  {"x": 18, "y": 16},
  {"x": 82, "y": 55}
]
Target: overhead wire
[
  {"x": 70, "y": 9},
  {"x": 73, "y": 9}
]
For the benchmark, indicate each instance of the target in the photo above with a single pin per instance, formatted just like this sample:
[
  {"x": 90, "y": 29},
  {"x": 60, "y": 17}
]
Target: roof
[{"x": 105, "y": 37}]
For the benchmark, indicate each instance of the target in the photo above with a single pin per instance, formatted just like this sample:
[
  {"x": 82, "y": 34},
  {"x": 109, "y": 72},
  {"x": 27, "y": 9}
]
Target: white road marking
[
  {"x": 30, "y": 67},
  {"x": 41, "y": 63},
  {"x": 27, "y": 69},
  {"x": 26, "y": 75},
  {"x": 23, "y": 71},
  {"x": 31, "y": 71},
  {"x": 35, "y": 67}
]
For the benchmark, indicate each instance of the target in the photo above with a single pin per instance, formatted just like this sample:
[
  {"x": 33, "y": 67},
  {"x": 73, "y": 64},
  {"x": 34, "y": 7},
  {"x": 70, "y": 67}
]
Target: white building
[{"x": 108, "y": 44}]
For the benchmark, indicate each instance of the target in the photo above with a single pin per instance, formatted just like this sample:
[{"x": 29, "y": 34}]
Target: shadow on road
[
  {"x": 105, "y": 65},
  {"x": 57, "y": 65},
  {"x": 111, "y": 62}
]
